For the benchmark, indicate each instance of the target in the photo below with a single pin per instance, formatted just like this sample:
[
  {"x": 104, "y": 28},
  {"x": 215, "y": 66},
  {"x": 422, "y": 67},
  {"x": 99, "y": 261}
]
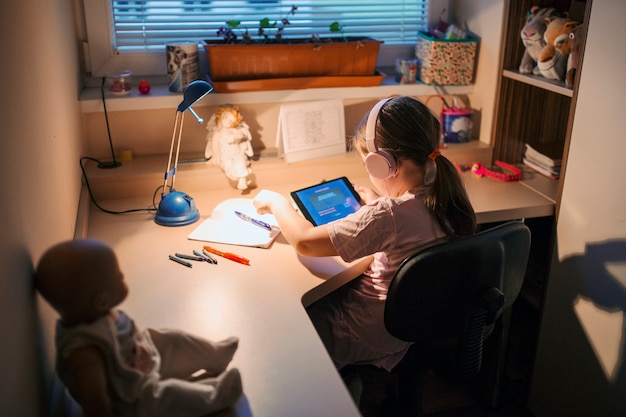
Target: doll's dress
[{"x": 149, "y": 371}]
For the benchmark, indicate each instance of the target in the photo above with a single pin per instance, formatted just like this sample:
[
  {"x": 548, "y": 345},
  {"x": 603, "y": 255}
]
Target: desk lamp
[{"x": 177, "y": 208}]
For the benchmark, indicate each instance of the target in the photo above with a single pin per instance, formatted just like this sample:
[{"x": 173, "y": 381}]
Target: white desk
[{"x": 285, "y": 369}]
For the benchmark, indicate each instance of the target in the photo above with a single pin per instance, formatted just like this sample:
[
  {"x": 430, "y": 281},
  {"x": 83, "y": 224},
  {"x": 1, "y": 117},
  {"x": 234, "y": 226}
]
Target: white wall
[
  {"x": 580, "y": 368},
  {"x": 40, "y": 182}
]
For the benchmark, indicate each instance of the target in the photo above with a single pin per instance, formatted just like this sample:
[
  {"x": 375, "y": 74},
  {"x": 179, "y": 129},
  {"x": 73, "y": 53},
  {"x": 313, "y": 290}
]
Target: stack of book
[{"x": 545, "y": 158}]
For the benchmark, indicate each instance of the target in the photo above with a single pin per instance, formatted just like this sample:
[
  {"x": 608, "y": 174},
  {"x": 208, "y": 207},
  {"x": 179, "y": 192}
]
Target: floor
[{"x": 441, "y": 398}]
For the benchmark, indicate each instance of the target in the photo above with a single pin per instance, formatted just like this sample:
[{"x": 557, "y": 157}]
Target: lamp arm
[
  {"x": 169, "y": 161},
  {"x": 198, "y": 118},
  {"x": 180, "y": 134}
]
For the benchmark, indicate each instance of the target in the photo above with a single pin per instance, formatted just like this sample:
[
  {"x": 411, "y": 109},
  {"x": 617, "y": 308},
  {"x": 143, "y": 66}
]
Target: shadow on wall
[{"x": 583, "y": 337}]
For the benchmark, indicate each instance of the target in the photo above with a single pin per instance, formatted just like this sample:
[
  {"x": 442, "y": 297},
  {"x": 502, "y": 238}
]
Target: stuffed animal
[
  {"x": 112, "y": 368},
  {"x": 553, "y": 58},
  {"x": 573, "y": 61},
  {"x": 532, "y": 37}
]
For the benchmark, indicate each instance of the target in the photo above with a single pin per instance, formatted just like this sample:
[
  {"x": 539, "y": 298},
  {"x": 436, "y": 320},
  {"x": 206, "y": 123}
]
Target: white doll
[
  {"x": 111, "y": 367},
  {"x": 229, "y": 145}
]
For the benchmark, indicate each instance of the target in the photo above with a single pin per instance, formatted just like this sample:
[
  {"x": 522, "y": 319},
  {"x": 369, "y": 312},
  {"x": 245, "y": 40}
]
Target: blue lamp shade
[
  {"x": 194, "y": 92},
  {"x": 178, "y": 208}
]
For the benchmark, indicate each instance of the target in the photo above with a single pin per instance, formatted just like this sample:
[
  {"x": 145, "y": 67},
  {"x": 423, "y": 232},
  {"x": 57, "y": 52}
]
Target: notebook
[{"x": 224, "y": 226}]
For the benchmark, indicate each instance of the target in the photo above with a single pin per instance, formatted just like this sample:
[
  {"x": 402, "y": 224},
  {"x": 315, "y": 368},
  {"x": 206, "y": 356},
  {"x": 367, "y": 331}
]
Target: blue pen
[{"x": 254, "y": 221}]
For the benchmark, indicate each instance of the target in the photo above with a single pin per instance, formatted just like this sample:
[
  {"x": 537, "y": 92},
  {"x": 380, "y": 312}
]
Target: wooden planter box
[{"x": 336, "y": 59}]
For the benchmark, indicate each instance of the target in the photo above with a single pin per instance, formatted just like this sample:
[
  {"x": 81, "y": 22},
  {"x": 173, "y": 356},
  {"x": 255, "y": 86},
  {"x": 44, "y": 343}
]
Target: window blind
[{"x": 148, "y": 25}]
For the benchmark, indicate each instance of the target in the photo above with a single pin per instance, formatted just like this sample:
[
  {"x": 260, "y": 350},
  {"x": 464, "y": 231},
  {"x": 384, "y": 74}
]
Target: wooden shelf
[
  {"x": 540, "y": 82},
  {"x": 531, "y": 109},
  {"x": 161, "y": 98}
]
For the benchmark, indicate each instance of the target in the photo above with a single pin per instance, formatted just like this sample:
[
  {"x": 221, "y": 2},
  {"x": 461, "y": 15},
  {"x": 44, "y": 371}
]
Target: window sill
[{"x": 161, "y": 98}]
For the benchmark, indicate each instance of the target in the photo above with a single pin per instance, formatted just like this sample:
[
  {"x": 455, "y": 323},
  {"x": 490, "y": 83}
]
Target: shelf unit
[{"x": 532, "y": 110}]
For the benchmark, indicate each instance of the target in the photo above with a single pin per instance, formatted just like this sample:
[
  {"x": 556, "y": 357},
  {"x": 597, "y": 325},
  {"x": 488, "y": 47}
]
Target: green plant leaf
[
  {"x": 233, "y": 23},
  {"x": 335, "y": 27},
  {"x": 265, "y": 23}
]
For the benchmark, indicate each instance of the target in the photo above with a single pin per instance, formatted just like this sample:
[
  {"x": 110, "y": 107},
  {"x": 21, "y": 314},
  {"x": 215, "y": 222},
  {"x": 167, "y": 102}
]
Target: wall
[
  {"x": 580, "y": 368},
  {"x": 149, "y": 132},
  {"x": 40, "y": 183}
]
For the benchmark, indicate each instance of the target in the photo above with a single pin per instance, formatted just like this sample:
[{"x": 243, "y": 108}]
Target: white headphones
[{"x": 378, "y": 162}]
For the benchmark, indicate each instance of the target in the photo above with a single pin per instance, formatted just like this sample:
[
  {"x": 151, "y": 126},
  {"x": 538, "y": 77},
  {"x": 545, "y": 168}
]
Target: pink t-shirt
[{"x": 391, "y": 229}]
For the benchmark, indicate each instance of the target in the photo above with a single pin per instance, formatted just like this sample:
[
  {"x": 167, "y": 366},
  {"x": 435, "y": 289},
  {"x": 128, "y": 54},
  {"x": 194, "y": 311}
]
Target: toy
[
  {"x": 144, "y": 87},
  {"x": 110, "y": 367},
  {"x": 573, "y": 61},
  {"x": 229, "y": 145},
  {"x": 532, "y": 35},
  {"x": 553, "y": 58}
]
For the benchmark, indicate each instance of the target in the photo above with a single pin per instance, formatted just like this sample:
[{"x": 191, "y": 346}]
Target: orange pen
[{"x": 227, "y": 255}]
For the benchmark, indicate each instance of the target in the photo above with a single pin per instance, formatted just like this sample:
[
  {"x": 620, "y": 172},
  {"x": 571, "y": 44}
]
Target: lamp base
[{"x": 176, "y": 209}]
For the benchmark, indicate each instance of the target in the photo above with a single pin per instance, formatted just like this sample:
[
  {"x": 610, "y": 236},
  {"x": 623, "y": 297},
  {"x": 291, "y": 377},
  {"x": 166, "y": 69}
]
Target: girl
[{"x": 420, "y": 202}]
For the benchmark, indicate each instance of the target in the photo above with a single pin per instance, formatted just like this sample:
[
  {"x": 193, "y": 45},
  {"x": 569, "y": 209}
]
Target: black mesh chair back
[{"x": 453, "y": 292}]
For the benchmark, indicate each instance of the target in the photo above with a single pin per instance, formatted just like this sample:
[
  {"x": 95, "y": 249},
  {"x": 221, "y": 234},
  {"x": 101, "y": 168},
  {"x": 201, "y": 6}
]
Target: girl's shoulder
[{"x": 412, "y": 196}]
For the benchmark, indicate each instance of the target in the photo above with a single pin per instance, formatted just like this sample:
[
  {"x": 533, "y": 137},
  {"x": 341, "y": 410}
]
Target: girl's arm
[{"x": 308, "y": 240}]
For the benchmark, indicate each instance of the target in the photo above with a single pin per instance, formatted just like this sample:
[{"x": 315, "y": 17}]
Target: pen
[
  {"x": 205, "y": 257},
  {"x": 180, "y": 261},
  {"x": 254, "y": 221},
  {"x": 191, "y": 258},
  {"x": 228, "y": 255},
  {"x": 206, "y": 253}
]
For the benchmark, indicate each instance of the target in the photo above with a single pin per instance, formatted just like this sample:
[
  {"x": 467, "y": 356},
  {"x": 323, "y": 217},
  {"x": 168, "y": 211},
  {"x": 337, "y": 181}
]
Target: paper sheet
[
  {"x": 311, "y": 130},
  {"x": 224, "y": 226}
]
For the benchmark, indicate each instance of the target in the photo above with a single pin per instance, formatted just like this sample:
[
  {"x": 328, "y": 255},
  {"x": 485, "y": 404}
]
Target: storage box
[{"x": 445, "y": 62}]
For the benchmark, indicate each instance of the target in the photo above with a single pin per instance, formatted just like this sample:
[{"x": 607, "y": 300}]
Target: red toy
[{"x": 144, "y": 87}]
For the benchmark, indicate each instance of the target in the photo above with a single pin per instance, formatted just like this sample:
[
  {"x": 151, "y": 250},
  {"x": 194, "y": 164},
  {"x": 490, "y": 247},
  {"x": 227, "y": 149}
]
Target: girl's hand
[
  {"x": 367, "y": 194},
  {"x": 265, "y": 199}
]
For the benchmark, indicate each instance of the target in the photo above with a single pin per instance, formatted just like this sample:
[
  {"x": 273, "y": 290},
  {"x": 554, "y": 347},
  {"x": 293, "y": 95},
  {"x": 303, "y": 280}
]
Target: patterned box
[{"x": 445, "y": 62}]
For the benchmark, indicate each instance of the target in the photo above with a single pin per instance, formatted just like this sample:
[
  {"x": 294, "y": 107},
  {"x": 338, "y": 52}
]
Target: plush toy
[
  {"x": 573, "y": 61},
  {"x": 553, "y": 58},
  {"x": 229, "y": 145},
  {"x": 532, "y": 37},
  {"x": 109, "y": 366}
]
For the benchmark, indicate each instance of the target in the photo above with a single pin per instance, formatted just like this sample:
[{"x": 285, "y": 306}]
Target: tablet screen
[{"x": 328, "y": 201}]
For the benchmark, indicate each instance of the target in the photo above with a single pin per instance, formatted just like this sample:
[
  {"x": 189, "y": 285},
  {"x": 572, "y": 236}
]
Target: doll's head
[
  {"x": 228, "y": 116},
  {"x": 81, "y": 279}
]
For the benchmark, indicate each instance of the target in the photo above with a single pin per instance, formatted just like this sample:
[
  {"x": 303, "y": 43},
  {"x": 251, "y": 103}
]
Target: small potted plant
[{"x": 239, "y": 55}]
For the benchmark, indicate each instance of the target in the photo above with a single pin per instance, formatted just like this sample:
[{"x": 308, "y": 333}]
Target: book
[
  {"x": 547, "y": 171},
  {"x": 224, "y": 226},
  {"x": 545, "y": 154}
]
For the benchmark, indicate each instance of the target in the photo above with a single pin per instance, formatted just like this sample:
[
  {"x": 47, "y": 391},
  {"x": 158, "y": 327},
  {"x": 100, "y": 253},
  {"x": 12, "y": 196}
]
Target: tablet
[{"x": 327, "y": 201}]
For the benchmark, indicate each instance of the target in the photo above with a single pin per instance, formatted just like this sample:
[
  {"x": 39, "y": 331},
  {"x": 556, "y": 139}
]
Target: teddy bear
[
  {"x": 532, "y": 35},
  {"x": 553, "y": 58},
  {"x": 112, "y": 368},
  {"x": 573, "y": 61}
]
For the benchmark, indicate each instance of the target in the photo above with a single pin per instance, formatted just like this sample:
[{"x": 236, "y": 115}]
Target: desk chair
[{"x": 447, "y": 296}]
